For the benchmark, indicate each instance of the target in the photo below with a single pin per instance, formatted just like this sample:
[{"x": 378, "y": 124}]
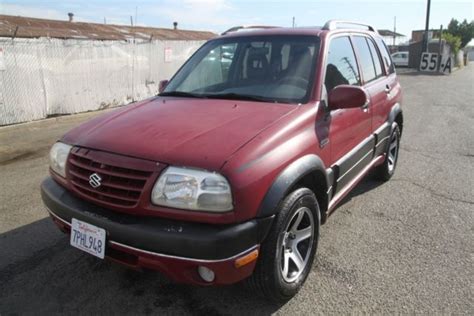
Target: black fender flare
[
  {"x": 287, "y": 178},
  {"x": 394, "y": 111}
]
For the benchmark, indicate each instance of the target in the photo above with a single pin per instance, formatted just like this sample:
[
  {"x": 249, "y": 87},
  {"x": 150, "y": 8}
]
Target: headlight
[
  {"x": 58, "y": 157},
  {"x": 192, "y": 189}
]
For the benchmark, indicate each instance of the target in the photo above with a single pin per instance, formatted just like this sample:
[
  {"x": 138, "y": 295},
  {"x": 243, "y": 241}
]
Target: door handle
[{"x": 387, "y": 89}]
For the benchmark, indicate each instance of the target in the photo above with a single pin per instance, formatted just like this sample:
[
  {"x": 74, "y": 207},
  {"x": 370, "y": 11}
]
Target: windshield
[{"x": 264, "y": 68}]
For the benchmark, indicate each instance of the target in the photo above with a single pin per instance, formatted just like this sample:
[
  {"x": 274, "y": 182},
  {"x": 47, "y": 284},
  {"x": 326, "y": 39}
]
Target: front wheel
[{"x": 288, "y": 252}]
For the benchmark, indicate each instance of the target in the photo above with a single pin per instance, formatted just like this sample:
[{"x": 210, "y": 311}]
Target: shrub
[{"x": 453, "y": 41}]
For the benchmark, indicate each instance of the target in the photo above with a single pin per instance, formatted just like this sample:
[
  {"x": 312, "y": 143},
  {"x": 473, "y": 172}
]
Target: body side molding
[
  {"x": 382, "y": 135},
  {"x": 287, "y": 178}
]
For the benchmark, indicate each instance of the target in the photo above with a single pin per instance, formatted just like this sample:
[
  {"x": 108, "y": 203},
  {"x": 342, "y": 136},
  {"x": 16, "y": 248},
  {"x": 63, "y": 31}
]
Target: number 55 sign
[{"x": 429, "y": 62}]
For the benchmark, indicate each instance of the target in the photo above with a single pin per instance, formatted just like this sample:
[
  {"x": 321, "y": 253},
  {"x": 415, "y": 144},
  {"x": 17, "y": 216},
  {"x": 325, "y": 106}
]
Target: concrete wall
[
  {"x": 44, "y": 77},
  {"x": 470, "y": 55}
]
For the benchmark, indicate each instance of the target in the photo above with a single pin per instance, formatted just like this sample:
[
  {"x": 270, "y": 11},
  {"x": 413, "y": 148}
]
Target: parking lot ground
[{"x": 403, "y": 246}]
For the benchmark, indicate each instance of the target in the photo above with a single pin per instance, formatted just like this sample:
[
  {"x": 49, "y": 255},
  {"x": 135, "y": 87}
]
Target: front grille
[{"x": 119, "y": 186}]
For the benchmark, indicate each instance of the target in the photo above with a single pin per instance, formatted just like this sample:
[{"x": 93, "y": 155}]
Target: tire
[
  {"x": 386, "y": 170},
  {"x": 278, "y": 251}
]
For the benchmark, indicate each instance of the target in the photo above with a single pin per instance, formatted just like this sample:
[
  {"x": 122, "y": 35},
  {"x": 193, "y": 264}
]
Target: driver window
[{"x": 341, "y": 65}]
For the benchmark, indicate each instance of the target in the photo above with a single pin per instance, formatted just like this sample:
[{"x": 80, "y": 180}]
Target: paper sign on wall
[
  {"x": 168, "y": 53},
  {"x": 2, "y": 60}
]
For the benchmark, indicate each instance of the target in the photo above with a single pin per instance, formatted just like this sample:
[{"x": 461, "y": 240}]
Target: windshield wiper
[
  {"x": 182, "y": 94},
  {"x": 237, "y": 96}
]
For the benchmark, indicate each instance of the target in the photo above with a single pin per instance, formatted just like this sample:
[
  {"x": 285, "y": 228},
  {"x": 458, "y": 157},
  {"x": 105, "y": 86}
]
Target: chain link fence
[{"x": 45, "y": 77}]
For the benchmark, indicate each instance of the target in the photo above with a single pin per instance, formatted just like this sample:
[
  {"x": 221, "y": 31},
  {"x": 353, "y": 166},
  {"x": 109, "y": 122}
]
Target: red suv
[{"x": 229, "y": 172}]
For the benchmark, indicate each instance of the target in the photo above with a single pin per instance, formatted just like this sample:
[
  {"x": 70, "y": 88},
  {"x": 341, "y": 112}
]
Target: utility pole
[
  {"x": 394, "y": 29},
  {"x": 293, "y": 21},
  {"x": 133, "y": 58},
  {"x": 427, "y": 27},
  {"x": 440, "y": 57},
  {"x": 136, "y": 16}
]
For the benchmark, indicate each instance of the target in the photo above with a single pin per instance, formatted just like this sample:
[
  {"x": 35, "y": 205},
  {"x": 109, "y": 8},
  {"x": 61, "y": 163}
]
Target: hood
[{"x": 199, "y": 133}]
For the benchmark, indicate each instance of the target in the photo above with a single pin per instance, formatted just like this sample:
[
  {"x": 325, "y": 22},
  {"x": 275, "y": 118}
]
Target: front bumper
[{"x": 172, "y": 247}]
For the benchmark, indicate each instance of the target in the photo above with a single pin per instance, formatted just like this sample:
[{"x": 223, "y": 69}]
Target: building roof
[
  {"x": 390, "y": 33},
  {"x": 26, "y": 27},
  {"x": 430, "y": 30}
]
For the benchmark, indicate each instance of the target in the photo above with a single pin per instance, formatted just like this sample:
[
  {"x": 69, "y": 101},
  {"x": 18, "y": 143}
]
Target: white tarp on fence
[{"x": 43, "y": 77}]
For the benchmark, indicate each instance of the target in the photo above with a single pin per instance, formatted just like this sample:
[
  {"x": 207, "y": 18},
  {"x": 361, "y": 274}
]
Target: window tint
[
  {"x": 270, "y": 68},
  {"x": 375, "y": 57},
  {"x": 385, "y": 56},
  {"x": 341, "y": 65},
  {"x": 365, "y": 58}
]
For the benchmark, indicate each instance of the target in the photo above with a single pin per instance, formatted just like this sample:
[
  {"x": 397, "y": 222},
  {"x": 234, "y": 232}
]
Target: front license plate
[{"x": 88, "y": 238}]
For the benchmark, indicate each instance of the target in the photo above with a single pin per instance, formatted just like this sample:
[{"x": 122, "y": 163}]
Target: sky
[{"x": 219, "y": 15}]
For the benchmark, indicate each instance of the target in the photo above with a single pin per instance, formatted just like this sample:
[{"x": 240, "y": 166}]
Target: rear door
[
  {"x": 404, "y": 59},
  {"x": 375, "y": 83},
  {"x": 391, "y": 86},
  {"x": 397, "y": 59},
  {"x": 392, "y": 91},
  {"x": 349, "y": 128}
]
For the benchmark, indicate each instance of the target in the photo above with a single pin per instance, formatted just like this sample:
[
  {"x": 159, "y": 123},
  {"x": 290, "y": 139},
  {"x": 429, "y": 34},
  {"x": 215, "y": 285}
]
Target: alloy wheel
[
  {"x": 393, "y": 152},
  {"x": 296, "y": 243}
]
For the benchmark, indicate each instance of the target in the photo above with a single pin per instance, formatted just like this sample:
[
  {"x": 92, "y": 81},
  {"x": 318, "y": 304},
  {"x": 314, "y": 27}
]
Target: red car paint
[
  {"x": 180, "y": 131},
  {"x": 250, "y": 143}
]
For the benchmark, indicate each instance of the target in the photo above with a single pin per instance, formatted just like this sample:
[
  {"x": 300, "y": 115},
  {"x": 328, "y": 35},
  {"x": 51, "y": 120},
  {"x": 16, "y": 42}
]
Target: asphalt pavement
[{"x": 403, "y": 246}]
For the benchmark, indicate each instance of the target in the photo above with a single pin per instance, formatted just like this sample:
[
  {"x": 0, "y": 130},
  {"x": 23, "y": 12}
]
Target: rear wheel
[
  {"x": 288, "y": 252},
  {"x": 386, "y": 170}
]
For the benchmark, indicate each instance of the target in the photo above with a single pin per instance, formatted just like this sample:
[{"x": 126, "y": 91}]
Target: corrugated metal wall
[{"x": 42, "y": 77}]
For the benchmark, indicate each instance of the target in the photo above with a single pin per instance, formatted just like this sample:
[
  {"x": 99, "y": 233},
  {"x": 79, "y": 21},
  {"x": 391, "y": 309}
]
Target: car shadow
[
  {"x": 40, "y": 272},
  {"x": 367, "y": 184}
]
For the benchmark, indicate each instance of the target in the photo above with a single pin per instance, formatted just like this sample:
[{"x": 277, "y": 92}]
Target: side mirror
[
  {"x": 346, "y": 97},
  {"x": 162, "y": 85}
]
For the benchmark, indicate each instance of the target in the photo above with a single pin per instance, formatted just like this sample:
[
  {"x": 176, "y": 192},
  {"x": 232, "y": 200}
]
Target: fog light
[{"x": 206, "y": 274}]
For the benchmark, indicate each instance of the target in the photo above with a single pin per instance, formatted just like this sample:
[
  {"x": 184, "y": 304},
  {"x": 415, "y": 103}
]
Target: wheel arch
[
  {"x": 396, "y": 115},
  {"x": 307, "y": 171}
]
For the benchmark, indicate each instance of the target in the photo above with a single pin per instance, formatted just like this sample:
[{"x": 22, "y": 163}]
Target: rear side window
[
  {"x": 375, "y": 57},
  {"x": 365, "y": 58},
  {"x": 385, "y": 56},
  {"x": 341, "y": 65}
]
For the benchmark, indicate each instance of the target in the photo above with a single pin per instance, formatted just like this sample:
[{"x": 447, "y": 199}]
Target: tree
[
  {"x": 464, "y": 30},
  {"x": 453, "y": 41}
]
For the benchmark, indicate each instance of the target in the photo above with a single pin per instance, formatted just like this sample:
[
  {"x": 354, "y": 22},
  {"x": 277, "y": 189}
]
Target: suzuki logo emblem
[{"x": 94, "y": 180}]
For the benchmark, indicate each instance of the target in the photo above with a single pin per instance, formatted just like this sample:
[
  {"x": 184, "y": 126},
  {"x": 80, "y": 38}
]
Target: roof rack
[
  {"x": 333, "y": 24},
  {"x": 255, "y": 27}
]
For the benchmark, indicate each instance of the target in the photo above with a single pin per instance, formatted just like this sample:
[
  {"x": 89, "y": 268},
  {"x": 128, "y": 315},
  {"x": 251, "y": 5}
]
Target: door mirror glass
[
  {"x": 346, "y": 97},
  {"x": 162, "y": 85}
]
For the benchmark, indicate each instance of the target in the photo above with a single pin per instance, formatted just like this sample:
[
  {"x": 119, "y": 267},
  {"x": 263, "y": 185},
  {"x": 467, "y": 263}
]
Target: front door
[{"x": 349, "y": 128}]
